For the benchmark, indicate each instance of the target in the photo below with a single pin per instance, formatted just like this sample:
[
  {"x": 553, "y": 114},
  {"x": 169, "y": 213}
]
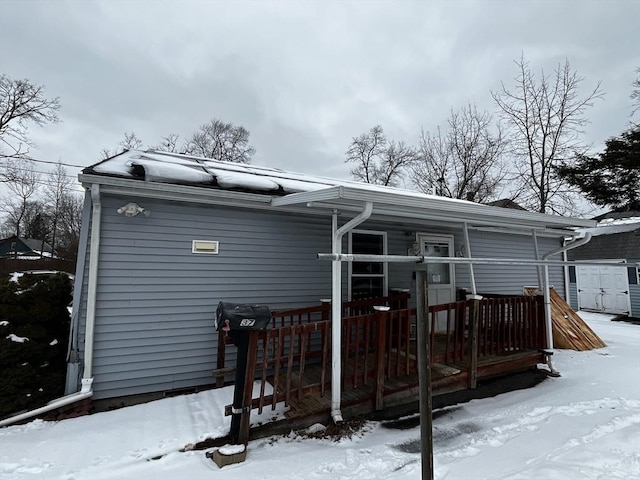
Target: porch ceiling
[{"x": 411, "y": 205}]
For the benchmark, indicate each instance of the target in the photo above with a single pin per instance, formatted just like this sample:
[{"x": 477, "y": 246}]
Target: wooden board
[{"x": 569, "y": 330}]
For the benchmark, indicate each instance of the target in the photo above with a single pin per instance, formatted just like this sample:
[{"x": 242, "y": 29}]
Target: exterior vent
[{"x": 204, "y": 246}]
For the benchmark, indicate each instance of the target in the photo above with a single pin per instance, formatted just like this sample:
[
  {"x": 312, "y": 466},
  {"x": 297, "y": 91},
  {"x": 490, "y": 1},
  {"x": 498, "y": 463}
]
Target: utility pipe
[
  {"x": 547, "y": 294},
  {"x": 336, "y": 305},
  {"x": 86, "y": 390}
]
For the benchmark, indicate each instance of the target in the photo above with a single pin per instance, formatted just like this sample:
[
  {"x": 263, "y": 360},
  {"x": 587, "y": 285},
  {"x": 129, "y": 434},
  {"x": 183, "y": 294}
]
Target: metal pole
[
  {"x": 336, "y": 324},
  {"x": 537, "y": 253},
  {"x": 424, "y": 373},
  {"x": 472, "y": 275},
  {"x": 351, "y": 257}
]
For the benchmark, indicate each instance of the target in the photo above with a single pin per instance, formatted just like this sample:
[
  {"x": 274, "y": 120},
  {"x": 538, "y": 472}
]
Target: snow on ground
[{"x": 582, "y": 426}]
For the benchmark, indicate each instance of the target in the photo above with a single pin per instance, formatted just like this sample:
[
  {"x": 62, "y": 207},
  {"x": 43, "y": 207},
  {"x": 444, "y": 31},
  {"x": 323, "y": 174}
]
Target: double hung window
[{"x": 367, "y": 279}]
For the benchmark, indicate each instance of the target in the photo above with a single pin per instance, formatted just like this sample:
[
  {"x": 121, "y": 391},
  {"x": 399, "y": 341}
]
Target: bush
[{"x": 34, "y": 331}]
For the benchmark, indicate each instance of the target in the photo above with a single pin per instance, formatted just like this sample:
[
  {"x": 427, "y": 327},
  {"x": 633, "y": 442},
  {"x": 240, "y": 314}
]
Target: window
[{"x": 367, "y": 279}]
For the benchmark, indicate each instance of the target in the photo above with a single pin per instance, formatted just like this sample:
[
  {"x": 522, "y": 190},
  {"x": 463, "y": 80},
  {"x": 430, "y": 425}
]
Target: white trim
[
  {"x": 385, "y": 268},
  {"x": 449, "y": 239}
]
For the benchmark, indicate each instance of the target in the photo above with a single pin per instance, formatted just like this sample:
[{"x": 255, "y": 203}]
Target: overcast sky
[{"x": 302, "y": 77}]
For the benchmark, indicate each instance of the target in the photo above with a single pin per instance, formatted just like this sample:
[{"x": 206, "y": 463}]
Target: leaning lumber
[{"x": 569, "y": 330}]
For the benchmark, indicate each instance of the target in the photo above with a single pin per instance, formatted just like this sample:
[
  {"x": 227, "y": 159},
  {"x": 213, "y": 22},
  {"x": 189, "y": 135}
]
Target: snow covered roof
[
  {"x": 610, "y": 226},
  {"x": 173, "y": 168},
  {"x": 287, "y": 190}
]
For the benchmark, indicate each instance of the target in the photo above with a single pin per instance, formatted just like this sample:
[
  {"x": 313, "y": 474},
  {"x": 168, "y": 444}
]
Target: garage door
[{"x": 603, "y": 289}]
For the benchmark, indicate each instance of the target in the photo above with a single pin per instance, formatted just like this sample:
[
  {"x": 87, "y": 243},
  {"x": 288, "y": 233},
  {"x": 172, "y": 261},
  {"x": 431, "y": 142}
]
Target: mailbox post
[{"x": 240, "y": 320}]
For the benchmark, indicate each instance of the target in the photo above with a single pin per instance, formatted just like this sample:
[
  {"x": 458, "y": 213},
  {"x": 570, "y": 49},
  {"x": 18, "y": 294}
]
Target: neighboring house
[
  {"x": 609, "y": 289},
  {"x": 165, "y": 237},
  {"x": 24, "y": 248}
]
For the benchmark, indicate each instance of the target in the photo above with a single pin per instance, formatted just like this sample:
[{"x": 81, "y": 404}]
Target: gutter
[
  {"x": 336, "y": 305},
  {"x": 547, "y": 295},
  {"x": 86, "y": 390}
]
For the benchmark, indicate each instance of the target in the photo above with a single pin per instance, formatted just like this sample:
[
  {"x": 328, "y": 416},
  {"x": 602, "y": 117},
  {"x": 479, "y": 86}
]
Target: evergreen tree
[{"x": 612, "y": 178}]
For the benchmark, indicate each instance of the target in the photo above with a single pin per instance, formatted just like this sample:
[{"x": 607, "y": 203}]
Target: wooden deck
[
  {"x": 470, "y": 341},
  {"x": 402, "y": 389}
]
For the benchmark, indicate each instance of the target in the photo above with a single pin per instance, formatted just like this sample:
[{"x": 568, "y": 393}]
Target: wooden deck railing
[
  {"x": 305, "y": 315},
  {"x": 295, "y": 357}
]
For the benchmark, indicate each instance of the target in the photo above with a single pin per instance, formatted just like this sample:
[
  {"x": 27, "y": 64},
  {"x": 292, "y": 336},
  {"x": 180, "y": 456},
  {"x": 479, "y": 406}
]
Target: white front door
[
  {"x": 440, "y": 276},
  {"x": 603, "y": 289}
]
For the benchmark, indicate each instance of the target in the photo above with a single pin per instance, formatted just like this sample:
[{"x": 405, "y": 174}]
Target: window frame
[{"x": 385, "y": 268}]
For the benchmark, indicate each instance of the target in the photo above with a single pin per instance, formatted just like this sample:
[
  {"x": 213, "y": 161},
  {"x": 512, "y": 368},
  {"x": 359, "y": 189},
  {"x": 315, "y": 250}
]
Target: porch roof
[
  {"x": 412, "y": 205},
  {"x": 188, "y": 178}
]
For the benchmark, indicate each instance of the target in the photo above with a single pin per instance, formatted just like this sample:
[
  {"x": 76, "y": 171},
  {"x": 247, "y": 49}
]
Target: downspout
[
  {"x": 547, "y": 295},
  {"x": 336, "y": 305},
  {"x": 86, "y": 390},
  {"x": 471, "y": 273},
  {"x": 73, "y": 360},
  {"x": 92, "y": 288}
]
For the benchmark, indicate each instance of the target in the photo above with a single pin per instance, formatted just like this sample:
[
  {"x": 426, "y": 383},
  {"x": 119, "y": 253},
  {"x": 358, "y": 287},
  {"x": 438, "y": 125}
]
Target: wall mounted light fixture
[{"x": 132, "y": 209}]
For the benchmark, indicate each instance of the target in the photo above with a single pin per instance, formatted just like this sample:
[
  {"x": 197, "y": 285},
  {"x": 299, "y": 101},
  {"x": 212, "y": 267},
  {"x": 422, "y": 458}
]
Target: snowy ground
[{"x": 584, "y": 425}]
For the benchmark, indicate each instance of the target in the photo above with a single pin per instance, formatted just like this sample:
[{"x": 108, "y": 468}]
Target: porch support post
[
  {"x": 537, "y": 253},
  {"x": 547, "y": 294},
  {"x": 336, "y": 305},
  {"x": 336, "y": 321},
  {"x": 424, "y": 372},
  {"x": 474, "y": 316},
  {"x": 472, "y": 275},
  {"x": 548, "y": 318}
]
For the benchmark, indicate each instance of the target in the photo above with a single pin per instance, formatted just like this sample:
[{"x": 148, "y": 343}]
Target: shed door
[{"x": 603, "y": 289}]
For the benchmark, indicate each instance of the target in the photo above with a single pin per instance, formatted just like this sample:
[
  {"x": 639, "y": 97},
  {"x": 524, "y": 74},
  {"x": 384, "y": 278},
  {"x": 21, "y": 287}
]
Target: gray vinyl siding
[
  {"x": 509, "y": 279},
  {"x": 573, "y": 295},
  {"x": 156, "y": 300},
  {"x": 634, "y": 291}
]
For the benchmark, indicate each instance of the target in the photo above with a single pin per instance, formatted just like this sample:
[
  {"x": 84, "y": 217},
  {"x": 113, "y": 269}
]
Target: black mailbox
[{"x": 241, "y": 316}]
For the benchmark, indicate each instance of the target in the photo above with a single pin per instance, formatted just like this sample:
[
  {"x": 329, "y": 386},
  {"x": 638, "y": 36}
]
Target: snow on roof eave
[
  {"x": 413, "y": 205},
  {"x": 611, "y": 229},
  {"x": 174, "y": 192}
]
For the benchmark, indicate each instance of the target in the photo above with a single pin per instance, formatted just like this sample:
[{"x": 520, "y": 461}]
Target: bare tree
[
  {"x": 169, "y": 144},
  {"x": 377, "y": 160},
  {"x": 465, "y": 162},
  {"x": 21, "y": 104},
  {"x": 546, "y": 117},
  {"x": 70, "y": 221},
  {"x": 22, "y": 182},
  {"x": 221, "y": 141},
  {"x": 635, "y": 94},
  {"x": 56, "y": 190},
  {"x": 129, "y": 142}
]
